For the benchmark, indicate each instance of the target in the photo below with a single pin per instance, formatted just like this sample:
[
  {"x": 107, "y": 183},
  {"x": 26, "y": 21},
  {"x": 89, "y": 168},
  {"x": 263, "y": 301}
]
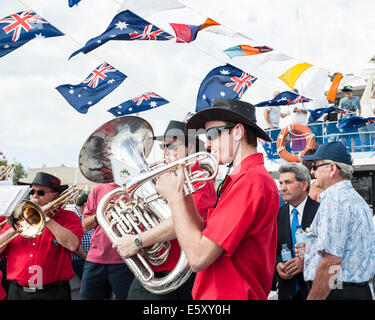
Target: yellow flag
[{"x": 291, "y": 75}]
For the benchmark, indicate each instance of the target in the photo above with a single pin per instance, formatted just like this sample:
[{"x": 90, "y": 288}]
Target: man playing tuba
[
  {"x": 176, "y": 144},
  {"x": 40, "y": 268}
]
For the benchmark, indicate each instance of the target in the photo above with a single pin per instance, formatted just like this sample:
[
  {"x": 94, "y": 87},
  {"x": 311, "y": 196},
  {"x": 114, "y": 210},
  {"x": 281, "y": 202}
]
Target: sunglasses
[
  {"x": 214, "y": 132},
  {"x": 169, "y": 146},
  {"x": 40, "y": 193},
  {"x": 315, "y": 166}
]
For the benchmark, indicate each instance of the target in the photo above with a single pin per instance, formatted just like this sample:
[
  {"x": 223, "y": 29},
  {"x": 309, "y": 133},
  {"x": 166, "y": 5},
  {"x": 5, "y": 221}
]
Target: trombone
[{"x": 29, "y": 220}]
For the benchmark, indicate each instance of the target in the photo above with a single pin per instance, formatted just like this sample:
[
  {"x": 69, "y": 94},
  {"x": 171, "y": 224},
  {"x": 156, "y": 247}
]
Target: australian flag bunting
[
  {"x": 73, "y": 2},
  {"x": 126, "y": 25},
  {"x": 144, "y": 102},
  {"x": 101, "y": 82},
  {"x": 21, "y": 27},
  {"x": 284, "y": 98},
  {"x": 223, "y": 82}
]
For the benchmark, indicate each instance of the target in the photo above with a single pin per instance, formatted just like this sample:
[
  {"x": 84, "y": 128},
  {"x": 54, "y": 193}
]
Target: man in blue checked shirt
[
  {"x": 340, "y": 247},
  {"x": 79, "y": 258}
]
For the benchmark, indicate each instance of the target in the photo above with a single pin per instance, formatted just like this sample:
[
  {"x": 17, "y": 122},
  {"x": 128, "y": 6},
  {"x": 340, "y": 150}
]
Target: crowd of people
[{"x": 232, "y": 238}]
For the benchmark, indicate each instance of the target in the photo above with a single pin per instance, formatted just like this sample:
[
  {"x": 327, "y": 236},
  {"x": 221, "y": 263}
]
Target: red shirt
[
  {"x": 42, "y": 255},
  {"x": 101, "y": 250},
  {"x": 244, "y": 225},
  {"x": 204, "y": 199},
  {"x": 3, "y": 294}
]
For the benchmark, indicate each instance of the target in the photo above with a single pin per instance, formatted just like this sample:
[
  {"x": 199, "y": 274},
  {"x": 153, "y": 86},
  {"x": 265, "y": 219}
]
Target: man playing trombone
[
  {"x": 176, "y": 144},
  {"x": 40, "y": 268}
]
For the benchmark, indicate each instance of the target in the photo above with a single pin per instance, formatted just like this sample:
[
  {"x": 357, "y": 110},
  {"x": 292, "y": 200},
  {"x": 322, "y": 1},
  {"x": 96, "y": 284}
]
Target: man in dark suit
[{"x": 299, "y": 209}]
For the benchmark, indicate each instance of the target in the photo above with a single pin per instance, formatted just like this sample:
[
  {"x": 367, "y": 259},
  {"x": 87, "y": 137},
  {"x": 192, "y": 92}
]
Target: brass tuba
[
  {"x": 135, "y": 206},
  {"x": 29, "y": 220}
]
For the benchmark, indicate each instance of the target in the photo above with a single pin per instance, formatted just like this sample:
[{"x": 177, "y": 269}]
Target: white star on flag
[
  {"x": 153, "y": 104},
  {"x": 121, "y": 25},
  {"x": 224, "y": 72}
]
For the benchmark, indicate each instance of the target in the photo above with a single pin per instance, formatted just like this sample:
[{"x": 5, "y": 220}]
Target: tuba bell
[
  {"x": 135, "y": 206},
  {"x": 29, "y": 220}
]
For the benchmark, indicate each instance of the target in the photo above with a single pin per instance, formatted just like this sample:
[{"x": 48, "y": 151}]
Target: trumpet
[{"x": 29, "y": 220}]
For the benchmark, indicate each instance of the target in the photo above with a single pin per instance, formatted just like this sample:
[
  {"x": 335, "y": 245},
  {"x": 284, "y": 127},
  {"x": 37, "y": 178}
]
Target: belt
[
  {"x": 43, "y": 287},
  {"x": 340, "y": 284}
]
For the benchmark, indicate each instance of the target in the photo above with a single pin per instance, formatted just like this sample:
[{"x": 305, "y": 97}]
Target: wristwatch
[{"x": 138, "y": 241}]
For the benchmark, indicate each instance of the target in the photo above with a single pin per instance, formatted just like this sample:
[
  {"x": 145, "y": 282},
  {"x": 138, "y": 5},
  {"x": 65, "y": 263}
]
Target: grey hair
[
  {"x": 301, "y": 172},
  {"x": 346, "y": 170}
]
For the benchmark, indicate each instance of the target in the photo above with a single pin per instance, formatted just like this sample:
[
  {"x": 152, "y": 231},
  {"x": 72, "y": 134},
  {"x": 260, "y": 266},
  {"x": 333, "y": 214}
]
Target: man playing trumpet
[{"x": 40, "y": 268}]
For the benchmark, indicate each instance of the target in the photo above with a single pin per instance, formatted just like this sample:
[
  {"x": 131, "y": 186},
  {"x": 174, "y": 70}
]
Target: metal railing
[{"x": 360, "y": 139}]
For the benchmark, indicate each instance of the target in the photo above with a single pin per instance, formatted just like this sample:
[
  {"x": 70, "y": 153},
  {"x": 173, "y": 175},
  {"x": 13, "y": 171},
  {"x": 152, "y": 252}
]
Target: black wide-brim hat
[
  {"x": 177, "y": 130},
  {"x": 47, "y": 180},
  {"x": 229, "y": 110}
]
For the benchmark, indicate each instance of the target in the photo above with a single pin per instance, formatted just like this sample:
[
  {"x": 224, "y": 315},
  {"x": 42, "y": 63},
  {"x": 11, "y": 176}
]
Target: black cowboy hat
[
  {"x": 47, "y": 180},
  {"x": 176, "y": 130},
  {"x": 235, "y": 111}
]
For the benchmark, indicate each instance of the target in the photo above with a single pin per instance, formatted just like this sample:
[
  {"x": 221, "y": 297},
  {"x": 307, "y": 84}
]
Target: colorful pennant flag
[
  {"x": 284, "y": 98},
  {"x": 126, "y": 25},
  {"x": 101, "y": 82},
  {"x": 292, "y": 74},
  {"x": 331, "y": 95},
  {"x": 21, "y": 27},
  {"x": 186, "y": 33},
  {"x": 144, "y": 102},
  {"x": 73, "y": 2},
  {"x": 245, "y": 50},
  {"x": 223, "y": 82}
]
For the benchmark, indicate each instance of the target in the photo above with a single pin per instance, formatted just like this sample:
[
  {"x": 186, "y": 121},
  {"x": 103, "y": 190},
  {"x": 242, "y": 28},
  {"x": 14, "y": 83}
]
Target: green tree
[{"x": 18, "y": 171}]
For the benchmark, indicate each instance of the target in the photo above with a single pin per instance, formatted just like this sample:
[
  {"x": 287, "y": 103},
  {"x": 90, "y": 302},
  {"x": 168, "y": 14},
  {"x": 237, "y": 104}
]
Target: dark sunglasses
[
  {"x": 40, "y": 193},
  {"x": 214, "y": 132},
  {"x": 315, "y": 166},
  {"x": 169, "y": 146}
]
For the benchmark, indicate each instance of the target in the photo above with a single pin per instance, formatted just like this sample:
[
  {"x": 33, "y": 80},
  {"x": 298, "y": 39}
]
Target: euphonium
[
  {"x": 136, "y": 206},
  {"x": 29, "y": 220}
]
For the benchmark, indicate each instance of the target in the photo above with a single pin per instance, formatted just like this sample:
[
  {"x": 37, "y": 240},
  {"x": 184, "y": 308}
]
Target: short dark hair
[{"x": 250, "y": 135}]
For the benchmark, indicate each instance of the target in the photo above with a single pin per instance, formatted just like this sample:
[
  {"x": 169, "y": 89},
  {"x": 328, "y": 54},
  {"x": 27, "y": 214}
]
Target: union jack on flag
[
  {"x": 144, "y": 102},
  {"x": 284, "y": 98},
  {"x": 148, "y": 34},
  {"x": 145, "y": 97},
  {"x": 223, "y": 82},
  {"x": 126, "y": 25},
  {"x": 101, "y": 82},
  {"x": 241, "y": 83},
  {"x": 21, "y": 27},
  {"x": 98, "y": 74}
]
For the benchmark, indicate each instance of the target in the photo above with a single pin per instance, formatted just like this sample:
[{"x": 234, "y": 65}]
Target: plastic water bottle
[
  {"x": 300, "y": 241},
  {"x": 285, "y": 253}
]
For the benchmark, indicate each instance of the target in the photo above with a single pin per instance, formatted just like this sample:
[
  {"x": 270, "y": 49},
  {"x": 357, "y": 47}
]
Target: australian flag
[
  {"x": 317, "y": 113},
  {"x": 223, "y": 82},
  {"x": 101, "y": 82},
  {"x": 21, "y": 27},
  {"x": 126, "y": 25},
  {"x": 144, "y": 102},
  {"x": 73, "y": 2},
  {"x": 283, "y": 99}
]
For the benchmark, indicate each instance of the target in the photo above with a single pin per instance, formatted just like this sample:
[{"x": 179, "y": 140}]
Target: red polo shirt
[
  {"x": 244, "y": 225},
  {"x": 42, "y": 255},
  {"x": 204, "y": 199}
]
